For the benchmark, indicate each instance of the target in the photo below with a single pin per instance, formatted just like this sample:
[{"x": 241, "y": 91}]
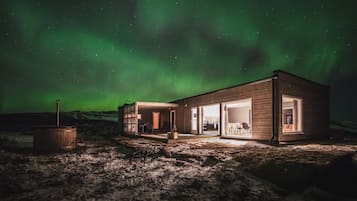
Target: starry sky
[{"x": 96, "y": 55}]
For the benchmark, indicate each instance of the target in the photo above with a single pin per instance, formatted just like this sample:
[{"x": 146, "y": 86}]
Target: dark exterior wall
[
  {"x": 181, "y": 121},
  {"x": 315, "y": 106},
  {"x": 260, "y": 92},
  {"x": 121, "y": 119},
  {"x": 146, "y": 117}
]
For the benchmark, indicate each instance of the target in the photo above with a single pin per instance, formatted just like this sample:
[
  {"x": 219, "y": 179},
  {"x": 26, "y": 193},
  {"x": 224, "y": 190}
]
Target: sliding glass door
[
  {"x": 210, "y": 119},
  {"x": 194, "y": 120}
]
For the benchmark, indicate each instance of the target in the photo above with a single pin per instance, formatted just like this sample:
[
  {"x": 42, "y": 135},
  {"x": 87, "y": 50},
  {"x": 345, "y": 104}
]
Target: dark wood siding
[
  {"x": 261, "y": 94},
  {"x": 315, "y": 106},
  {"x": 121, "y": 119},
  {"x": 48, "y": 139}
]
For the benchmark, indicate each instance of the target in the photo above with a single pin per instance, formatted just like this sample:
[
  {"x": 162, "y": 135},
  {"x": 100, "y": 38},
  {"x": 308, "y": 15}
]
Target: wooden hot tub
[{"x": 53, "y": 138}]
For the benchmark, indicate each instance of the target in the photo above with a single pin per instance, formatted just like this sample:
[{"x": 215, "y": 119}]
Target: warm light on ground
[{"x": 225, "y": 141}]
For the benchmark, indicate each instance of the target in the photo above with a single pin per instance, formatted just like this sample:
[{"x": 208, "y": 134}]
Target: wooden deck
[{"x": 182, "y": 137}]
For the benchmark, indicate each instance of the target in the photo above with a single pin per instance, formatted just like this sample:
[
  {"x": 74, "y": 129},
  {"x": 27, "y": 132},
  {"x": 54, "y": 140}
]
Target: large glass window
[
  {"x": 130, "y": 121},
  {"x": 291, "y": 114},
  {"x": 237, "y": 118}
]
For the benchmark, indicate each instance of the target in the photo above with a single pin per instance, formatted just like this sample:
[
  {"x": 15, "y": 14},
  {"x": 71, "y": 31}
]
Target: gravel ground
[{"x": 139, "y": 169}]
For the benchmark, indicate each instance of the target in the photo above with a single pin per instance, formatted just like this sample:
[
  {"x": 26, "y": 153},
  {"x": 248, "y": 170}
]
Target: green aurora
[{"x": 96, "y": 55}]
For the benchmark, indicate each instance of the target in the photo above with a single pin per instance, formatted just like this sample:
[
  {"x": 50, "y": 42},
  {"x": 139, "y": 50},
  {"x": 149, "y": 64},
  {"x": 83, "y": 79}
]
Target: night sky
[{"x": 96, "y": 55}]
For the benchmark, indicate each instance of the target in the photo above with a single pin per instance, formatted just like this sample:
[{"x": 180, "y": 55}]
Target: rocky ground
[{"x": 102, "y": 168}]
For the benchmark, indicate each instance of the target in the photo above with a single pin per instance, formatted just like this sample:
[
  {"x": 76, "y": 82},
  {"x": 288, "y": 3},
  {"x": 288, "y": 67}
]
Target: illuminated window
[
  {"x": 292, "y": 114},
  {"x": 130, "y": 121},
  {"x": 194, "y": 120},
  {"x": 209, "y": 119},
  {"x": 155, "y": 120},
  {"x": 237, "y": 118}
]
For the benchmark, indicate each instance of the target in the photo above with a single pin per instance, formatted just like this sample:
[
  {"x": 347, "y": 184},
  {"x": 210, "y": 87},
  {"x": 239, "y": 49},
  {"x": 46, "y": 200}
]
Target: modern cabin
[{"x": 282, "y": 107}]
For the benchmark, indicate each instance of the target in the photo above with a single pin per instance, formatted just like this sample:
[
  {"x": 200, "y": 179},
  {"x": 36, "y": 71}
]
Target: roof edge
[
  {"x": 238, "y": 85},
  {"x": 299, "y": 77}
]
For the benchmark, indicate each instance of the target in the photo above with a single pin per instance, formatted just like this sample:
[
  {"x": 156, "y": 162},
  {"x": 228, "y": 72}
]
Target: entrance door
[
  {"x": 172, "y": 120},
  {"x": 156, "y": 121},
  {"x": 194, "y": 121}
]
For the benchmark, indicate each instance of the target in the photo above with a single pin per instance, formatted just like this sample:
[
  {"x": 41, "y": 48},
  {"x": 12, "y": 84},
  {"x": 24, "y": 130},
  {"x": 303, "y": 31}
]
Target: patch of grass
[
  {"x": 6, "y": 142},
  {"x": 15, "y": 140}
]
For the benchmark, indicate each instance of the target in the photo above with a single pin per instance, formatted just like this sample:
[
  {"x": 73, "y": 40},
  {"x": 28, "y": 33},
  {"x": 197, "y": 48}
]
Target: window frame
[
  {"x": 300, "y": 112},
  {"x": 251, "y": 116}
]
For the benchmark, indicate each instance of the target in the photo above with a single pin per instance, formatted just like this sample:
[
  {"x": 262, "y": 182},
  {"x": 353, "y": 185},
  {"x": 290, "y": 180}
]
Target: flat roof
[
  {"x": 299, "y": 77},
  {"x": 238, "y": 85},
  {"x": 253, "y": 82},
  {"x": 144, "y": 105},
  {"x": 172, "y": 103}
]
